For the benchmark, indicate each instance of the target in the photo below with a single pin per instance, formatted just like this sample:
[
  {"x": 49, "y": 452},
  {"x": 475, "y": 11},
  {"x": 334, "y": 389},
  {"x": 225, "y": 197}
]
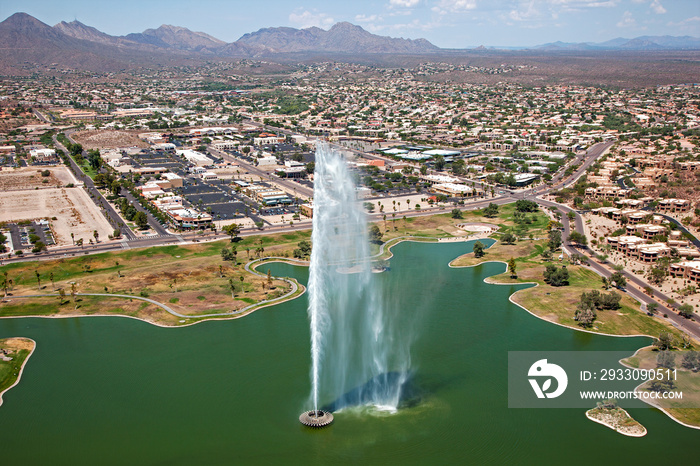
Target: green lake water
[{"x": 119, "y": 391}]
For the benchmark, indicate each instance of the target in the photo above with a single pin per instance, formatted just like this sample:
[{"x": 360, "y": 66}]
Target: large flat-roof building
[{"x": 195, "y": 158}]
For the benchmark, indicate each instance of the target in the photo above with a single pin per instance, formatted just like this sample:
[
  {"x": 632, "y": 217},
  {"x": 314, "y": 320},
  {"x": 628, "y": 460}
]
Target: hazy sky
[{"x": 446, "y": 23}]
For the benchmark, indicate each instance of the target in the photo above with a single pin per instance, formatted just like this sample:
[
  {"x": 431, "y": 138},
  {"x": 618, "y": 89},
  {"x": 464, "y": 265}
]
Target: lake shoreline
[{"x": 23, "y": 363}]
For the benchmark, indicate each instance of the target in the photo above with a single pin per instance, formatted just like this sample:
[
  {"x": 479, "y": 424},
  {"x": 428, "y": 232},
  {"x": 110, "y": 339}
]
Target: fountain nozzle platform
[{"x": 316, "y": 418}]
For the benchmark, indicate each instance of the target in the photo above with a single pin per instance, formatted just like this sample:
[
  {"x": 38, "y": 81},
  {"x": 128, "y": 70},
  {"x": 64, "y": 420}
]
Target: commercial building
[
  {"x": 453, "y": 189},
  {"x": 195, "y": 158}
]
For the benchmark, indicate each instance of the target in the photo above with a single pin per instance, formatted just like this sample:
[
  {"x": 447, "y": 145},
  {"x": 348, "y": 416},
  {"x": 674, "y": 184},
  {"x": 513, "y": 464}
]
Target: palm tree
[
  {"x": 52, "y": 284},
  {"x": 5, "y": 282}
]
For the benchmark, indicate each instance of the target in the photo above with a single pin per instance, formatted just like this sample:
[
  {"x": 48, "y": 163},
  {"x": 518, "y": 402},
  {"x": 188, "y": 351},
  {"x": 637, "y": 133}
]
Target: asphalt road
[
  {"x": 635, "y": 287},
  {"x": 291, "y": 186},
  {"x": 110, "y": 214}
]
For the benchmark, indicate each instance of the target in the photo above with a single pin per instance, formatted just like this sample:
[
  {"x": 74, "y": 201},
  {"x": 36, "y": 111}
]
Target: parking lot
[
  {"x": 216, "y": 197},
  {"x": 21, "y": 234}
]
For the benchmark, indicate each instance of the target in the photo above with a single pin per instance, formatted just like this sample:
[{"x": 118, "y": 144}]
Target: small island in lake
[{"x": 616, "y": 418}]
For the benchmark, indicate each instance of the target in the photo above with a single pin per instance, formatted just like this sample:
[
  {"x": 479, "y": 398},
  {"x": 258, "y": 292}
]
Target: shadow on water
[
  {"x": 412, "y": 388},
  {"x": 381, "y": 387}
]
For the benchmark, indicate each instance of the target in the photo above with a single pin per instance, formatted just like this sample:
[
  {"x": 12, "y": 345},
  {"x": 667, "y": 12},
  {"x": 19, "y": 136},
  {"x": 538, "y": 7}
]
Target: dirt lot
[
  {"x": 108, "y": 139},
  {"x": 72, "y": 207},
  {"x": 18, "y": 179},
  {"x": 17, "y": 344}
]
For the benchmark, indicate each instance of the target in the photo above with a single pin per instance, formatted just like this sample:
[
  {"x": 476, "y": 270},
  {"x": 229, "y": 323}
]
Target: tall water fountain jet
[{"x": 358, "y": 355}]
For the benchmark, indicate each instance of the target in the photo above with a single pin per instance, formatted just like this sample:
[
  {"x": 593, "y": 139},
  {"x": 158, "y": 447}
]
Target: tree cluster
[
  {"x": 685, "y": 310},
  {"x": 94, "y": 159},
  {"x": 375, "y": 234},
  {"x": 664, "y": 342},
  {"x": 233, "y": 230},
  {"x": 591, "y": 302},
  {"x": 522, "y": 219},
  {"x": 303, "y": 251},
  {"x": 554, "y": 240},
  {"x": 578, "y": 238},
  {"x": 508, "y": 238},
  {"x": 478, "y": 249},
  {"x": 691, "y": 361},
  {"x": 524, "y": 205},
  {"x": 556, "y": 276},
  {"x": 618, "y": 279},
  {"x": 597, "y": 300},
  {"x": 131, "y": 214},
  {"x": 491, "y": 211},
  {"x": 230, "y": 254}
]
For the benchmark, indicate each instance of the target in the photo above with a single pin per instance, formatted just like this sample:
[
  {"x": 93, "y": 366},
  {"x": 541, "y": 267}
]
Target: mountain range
[
  {"x": 25, "y": 42},
  {"x": 638, "y": 43}
]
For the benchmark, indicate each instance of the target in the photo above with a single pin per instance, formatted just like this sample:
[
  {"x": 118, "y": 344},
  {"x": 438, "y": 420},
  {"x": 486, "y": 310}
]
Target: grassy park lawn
[
  {"x": 86, "y": 306},
  {"x": 445, "y": 226},
  {"x": 176, "y": 275},
  {"x": 558, "y": 304},
  {"x": 688, "y": 382},
  {"x": 13, "y": 354}
]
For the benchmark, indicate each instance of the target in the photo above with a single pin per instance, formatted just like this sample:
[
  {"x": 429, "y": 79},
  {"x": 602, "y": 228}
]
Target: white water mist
[{"x": 358, "y": 354}]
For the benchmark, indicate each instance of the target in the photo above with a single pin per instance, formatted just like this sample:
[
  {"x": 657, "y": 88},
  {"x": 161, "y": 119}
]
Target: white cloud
[
  {"x": 686, "y": 24},
  {"x": 578, "y": 4},
  {"x": 657, "y": 7},
  {"x": 404, "y": 3},
  {"x": 401, "y": 29},
  {"x": 367, "y": 19},
  {"x": 308, "y": 18},
  {"x": 627, "y": 20},
  {"x": 528, "y": 12},
  {"x": 454, "y": 6}
]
